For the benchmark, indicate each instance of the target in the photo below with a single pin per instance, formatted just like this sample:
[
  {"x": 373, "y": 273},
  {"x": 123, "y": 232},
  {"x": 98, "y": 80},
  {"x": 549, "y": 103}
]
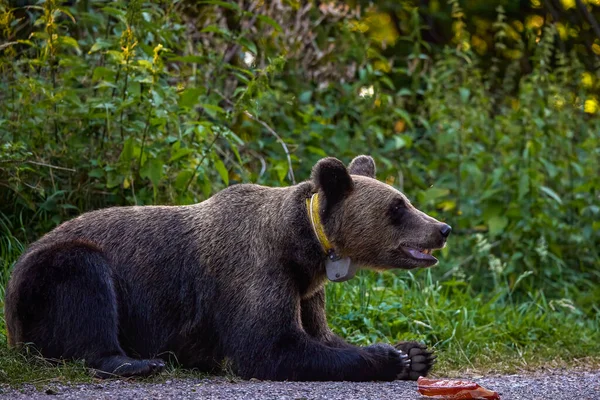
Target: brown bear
[{"x": 239, "y": 276}]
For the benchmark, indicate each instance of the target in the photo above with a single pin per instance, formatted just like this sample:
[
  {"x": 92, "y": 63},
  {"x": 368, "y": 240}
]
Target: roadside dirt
[{"x": 554, "y": 385}]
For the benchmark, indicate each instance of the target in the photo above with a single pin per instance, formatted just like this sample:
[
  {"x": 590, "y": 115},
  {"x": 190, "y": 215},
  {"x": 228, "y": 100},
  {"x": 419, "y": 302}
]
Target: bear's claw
[{"x": 420, "y": 360}]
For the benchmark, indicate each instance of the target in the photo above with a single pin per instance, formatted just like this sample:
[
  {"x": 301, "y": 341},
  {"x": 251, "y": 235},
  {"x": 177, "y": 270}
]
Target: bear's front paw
[
  {"x": 388, "y": 362},
  {"x": 421, "y": 360}
]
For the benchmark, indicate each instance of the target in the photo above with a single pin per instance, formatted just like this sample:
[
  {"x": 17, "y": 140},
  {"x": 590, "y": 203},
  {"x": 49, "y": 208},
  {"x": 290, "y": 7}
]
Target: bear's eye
[
  {"x": 398, "y": 205},
  {"x": 398, "y": 211}
]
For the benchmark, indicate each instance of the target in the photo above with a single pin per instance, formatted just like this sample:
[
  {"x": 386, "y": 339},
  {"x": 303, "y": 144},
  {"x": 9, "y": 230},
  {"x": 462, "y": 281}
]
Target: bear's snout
[{"x": 445, "y": 230}]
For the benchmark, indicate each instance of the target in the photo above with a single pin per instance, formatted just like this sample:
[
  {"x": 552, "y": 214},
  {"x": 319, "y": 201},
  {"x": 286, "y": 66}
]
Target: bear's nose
[{"x": 445, "y": 230}]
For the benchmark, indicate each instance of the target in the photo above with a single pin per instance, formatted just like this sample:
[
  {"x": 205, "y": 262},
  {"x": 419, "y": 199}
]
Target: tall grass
[
  {"x": 469, "y": 329},
  {"x": 10, "y": 249}
]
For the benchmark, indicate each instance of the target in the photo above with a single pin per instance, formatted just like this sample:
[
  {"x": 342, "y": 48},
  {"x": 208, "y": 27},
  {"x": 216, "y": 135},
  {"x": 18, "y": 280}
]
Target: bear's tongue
[{"x": 417, "y": 254}]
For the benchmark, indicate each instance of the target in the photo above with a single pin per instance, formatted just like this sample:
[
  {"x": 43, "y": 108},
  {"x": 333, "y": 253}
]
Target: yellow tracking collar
[
  {"x": 338, "y": 269},
  {"x": 312, "y": 206}
]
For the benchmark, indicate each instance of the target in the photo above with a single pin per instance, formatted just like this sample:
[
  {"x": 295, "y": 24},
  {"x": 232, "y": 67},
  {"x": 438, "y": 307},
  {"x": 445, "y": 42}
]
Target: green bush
[{"x": 168, "y": 102}]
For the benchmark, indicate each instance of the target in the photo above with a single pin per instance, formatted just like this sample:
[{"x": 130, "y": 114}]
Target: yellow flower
[
  {"x": 590, "y": 106},
  {"x": 587, "y": 80},
  {"x": 568, "y": 4}
]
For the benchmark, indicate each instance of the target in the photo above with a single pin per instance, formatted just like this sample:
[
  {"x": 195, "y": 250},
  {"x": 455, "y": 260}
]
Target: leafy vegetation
[
  {"x": 472, "y": 331},
  {"x": 485, "y": 117}
]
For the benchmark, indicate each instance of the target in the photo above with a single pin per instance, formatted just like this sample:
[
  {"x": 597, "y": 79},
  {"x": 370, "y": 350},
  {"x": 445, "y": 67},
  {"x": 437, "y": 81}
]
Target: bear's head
[{"x": 369, "y": 221}]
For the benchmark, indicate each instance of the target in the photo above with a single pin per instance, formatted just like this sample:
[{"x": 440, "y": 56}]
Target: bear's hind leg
[
  {"x": 117, "y": 365},
  {"x": 61, "y": 299}
]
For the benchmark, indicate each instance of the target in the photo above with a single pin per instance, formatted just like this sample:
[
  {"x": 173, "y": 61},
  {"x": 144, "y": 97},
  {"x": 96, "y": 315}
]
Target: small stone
[{"x": 51, "y": 392}]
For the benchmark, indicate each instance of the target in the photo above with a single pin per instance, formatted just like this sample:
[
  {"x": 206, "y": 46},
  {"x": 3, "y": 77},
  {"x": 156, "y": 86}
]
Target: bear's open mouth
[{"x": 419, "y": 254}]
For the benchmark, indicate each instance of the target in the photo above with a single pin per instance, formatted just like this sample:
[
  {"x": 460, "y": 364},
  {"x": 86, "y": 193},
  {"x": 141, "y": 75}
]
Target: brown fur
[{"x": 238, "y": 276}]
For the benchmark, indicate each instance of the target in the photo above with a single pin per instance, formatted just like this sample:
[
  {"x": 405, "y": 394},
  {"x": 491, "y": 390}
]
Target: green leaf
[
  {"x": 231, "y": 135},
  {"x": 115, "y": 12},
  {"x": 216, "y": 29},
  {"x": 270, "y": 21},
  {"x": 405, "y": 116},
  {"x": 248, "y": 44},
  {"x": 305, "y": 96},
  {"x": 282, "y": 170},
  {"x": 68, "y": 41},
  {"x": 115, "y": 55},
  {"x": 212, "y": 110},
  {"x": 189, "y": 97},
  {"x": 114, "y": 179},
  {"x": 244, "y": 71},
  {"x": 180, "y": 153},
  {"x": 399, "y": 142},
  {"x": 25, "y": 42},
  {"x": 220, "y": 167},
  {"x": 128, "y": 150},
  {"x": 188, "y": 59},
  {"x": 100, "y": 44},
  {"x": 152, "y": 170},
  {"x": 317, "y": 150},
  {"x": 67, "y": 13},
  {"x": 105, "y": 106},
  {"x": 224, "y": 4},
  {"x": 552, "y": 194},
  {"x": 497, "y": 224},
  {"x": 523, "y": 185},
  {"x": 182, "y": 179},
  {"x": 464, "y": 94},
  {"x": 145, "y": 65},
  {"x": 435, "y": 193},
  {"x": 206, "y": 186},
  {"x": 96, "y": 173},
  {"x": 236, "y": 152},
  {"x": 388, "y": 82},
  {"x": 102, "y": 73}
]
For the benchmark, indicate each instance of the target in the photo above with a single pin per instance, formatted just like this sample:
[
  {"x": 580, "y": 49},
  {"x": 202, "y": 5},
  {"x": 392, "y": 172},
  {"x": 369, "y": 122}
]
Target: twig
[
  {"x": 52, "y": 179},
  {"x": 124, "y": 97},
  {"x": 202, "y": 160},
  {"x": 144, "y": 136},
  {"x": 50, "y": 166},
  {"x": 263, "y": 165},
  {"x": 133, "y": 191},
  {"x": 272, "y": 132},
  {"x": 5, "y": 45}
]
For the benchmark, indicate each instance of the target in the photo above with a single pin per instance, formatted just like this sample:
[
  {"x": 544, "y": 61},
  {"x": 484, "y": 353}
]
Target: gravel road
[{"x": 554, "y": 385}]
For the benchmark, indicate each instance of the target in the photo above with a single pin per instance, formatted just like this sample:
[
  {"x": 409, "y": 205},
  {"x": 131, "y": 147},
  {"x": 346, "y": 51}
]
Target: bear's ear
[
  {"x": 363, "y": 165},
  {"x": 332, "y": 179}
]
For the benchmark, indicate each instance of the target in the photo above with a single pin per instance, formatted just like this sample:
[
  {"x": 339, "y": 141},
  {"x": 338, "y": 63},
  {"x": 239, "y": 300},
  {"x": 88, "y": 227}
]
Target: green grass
[
  {"x": 495, "y": 332},
  {"x": 481, "y": 332}
]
